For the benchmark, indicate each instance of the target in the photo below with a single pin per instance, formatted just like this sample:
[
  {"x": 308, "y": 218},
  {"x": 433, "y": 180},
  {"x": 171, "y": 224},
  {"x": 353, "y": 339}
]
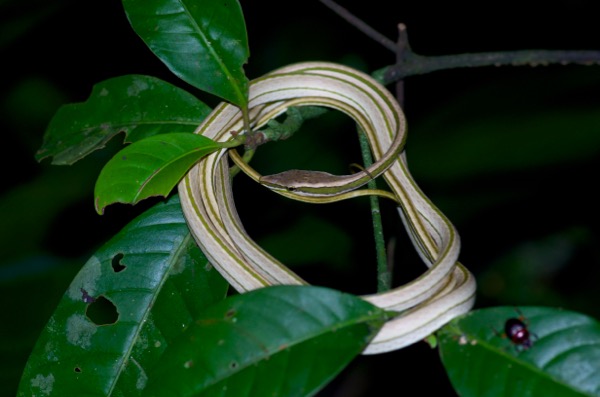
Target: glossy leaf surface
[
  {"x": 276, "y": 341},
  {"x": 139, "y": 106},
  {"x": 150, "y": 167},
  {"x": 562, "y": 361},
  {"x": 128, "y": 302},
  {"x": 204, "y": 42}
]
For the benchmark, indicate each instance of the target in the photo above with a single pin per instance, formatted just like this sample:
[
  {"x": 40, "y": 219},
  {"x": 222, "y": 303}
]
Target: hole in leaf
[
  {"x": 116, "y": 263},
  {"x": 77, "y": 369},
  {"x": 102, "y": 311},
  {"x": 233, "y": 365}
]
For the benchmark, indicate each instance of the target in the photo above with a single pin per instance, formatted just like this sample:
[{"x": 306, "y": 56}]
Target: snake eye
[{"x": 290, "y": 188}]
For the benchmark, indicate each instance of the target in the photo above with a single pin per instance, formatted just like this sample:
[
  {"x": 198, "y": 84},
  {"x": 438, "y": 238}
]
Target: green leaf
[
  {"x": 128, "y": 302},
  {"x": 204, "y": 42},
  {"x": 150, "y": 167},
  {"x": 139, "y": 106},
  {"x": 563, "y": 360},
  {"x": 276, "y": 341}
]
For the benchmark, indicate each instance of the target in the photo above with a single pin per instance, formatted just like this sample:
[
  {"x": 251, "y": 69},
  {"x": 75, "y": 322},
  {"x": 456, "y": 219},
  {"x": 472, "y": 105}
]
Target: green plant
[{"x": 176, "y": 267}]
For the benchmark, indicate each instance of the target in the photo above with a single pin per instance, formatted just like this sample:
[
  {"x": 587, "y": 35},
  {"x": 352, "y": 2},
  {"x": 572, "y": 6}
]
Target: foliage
[
  {"x": 482, "y": 359},
  {"x": 159, "y": 107},
  {"x": 470, "y": 138}
]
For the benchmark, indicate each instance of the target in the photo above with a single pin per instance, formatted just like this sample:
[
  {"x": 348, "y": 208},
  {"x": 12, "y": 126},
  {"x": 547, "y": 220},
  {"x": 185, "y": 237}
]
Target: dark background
[{"x": 510, "y": 154}]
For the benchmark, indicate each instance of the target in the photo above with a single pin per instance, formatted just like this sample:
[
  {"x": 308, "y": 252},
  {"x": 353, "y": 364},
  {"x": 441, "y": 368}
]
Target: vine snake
[{"x": 445, "y": 290}]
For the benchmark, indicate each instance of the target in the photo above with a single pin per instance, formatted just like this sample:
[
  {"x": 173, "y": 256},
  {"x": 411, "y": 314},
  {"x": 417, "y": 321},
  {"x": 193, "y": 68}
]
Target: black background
[{"x": 52, "y": 54}]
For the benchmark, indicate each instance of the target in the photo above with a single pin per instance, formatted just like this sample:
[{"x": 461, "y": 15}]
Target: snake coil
[{"x": 445, "y": 290}]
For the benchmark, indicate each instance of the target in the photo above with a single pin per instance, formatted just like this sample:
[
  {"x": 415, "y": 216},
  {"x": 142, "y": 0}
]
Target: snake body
[{"x": 445, "y": 290}]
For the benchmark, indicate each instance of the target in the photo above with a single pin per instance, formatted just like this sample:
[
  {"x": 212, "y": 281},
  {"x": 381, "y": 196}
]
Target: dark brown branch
[
  {"x": 414, "y": 64},
  {"x": 360, "y": 25},
  {"x": 402, "y": 47},
  {"x": 409, "y": 64}
]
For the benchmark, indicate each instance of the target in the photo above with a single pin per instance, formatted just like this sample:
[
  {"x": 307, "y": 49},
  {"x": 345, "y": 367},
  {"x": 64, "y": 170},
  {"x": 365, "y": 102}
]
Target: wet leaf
[
  {"x": 150, "y": 167},
  {"x": 204, "y": 42},
  {"x": 276, "y": 341},
  {"x": 562, "y": 361},
  {"x": 153, "y": 280},
  {"x": 138, "y": 106}
]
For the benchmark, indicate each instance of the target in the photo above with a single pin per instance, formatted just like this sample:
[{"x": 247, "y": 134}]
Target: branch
[
  {"x": 360, "y": 25},
  {"x": 402, "y": 48},
  {"x": 409, "y": 63},
  {"x": 414, "y": 64}
]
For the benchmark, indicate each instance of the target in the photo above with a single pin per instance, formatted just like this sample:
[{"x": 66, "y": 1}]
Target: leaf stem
[{"x": 246, "y": 118}]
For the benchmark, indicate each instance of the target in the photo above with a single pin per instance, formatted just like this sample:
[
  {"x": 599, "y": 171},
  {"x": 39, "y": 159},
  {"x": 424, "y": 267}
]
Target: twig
[
  {"x": 402, "y": 47},
  {"x": 409, "y": 63},
  {"x": 360, "y": 25},
  {"x": 414, "y": 64}
]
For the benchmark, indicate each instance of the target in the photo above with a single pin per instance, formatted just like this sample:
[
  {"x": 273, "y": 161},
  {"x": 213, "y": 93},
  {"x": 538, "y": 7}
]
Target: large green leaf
[
  {"x": 150, "y": 167},
  {"x": 563, "y": 360},
  {"x": 276, "y": 341},
  {"x": 128, "y": 302},
  {"x": 139, "y": 106},
  {"x": 204, "y": 42}
]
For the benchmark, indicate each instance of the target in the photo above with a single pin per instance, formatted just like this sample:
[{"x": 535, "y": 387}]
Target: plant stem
[
  {"x": 409, "y": 63},
  {"x": 246, "y": 119},
  {"x": 384, "y": 276}
]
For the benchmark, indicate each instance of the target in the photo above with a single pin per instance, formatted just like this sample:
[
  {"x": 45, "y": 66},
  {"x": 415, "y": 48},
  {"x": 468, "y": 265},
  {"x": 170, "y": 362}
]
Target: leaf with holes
[
  {"x": 131, "y": 300},
  {"x": 150, "y": 167},
  {"x": 558, "y": 355},
  {"x": 139, "y": 106},
  {"x": 275, "y": 341},
  {"x": 204, "y": 42}
]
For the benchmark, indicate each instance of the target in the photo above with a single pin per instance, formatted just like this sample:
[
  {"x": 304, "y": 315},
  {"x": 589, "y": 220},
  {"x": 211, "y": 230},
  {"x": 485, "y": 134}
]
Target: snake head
[{"x": 299, "y": 181}]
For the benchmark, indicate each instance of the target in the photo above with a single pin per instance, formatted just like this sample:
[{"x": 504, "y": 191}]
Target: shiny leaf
[
  {"x": 562, "y": 360},
  {"x": 204, "y": 42},
  {"x": 128, "y": 302},
  {"x": 139, "y": 106},
  {"x": 276, "y": 341},
  {"x": 150, "y": 167}
]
